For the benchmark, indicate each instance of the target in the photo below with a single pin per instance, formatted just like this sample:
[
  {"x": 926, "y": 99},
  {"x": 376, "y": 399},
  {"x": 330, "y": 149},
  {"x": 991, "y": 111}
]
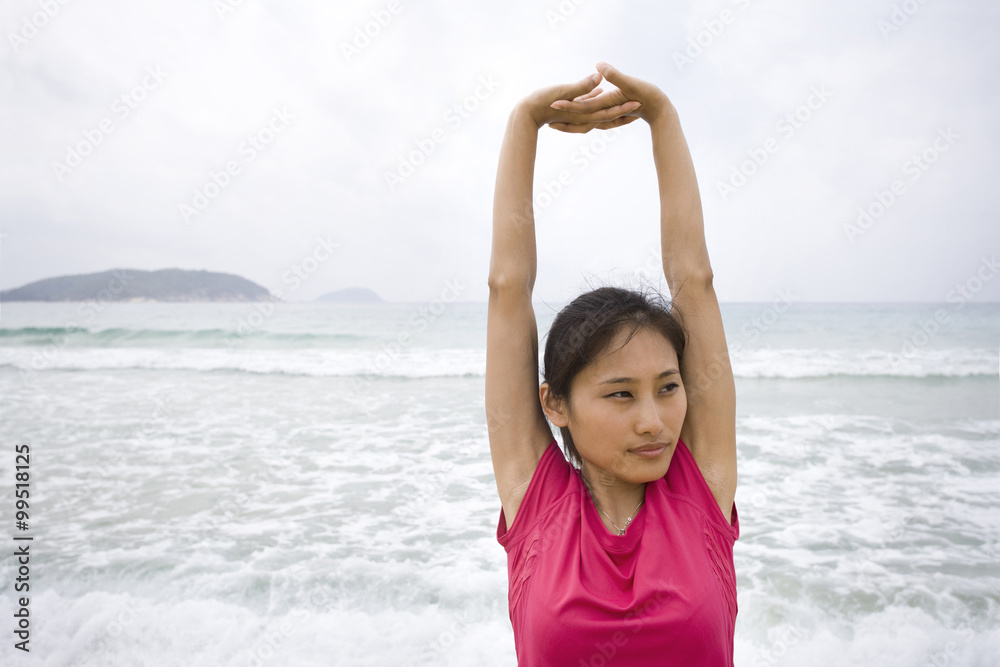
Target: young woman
[{"x": 623, "y": 553}]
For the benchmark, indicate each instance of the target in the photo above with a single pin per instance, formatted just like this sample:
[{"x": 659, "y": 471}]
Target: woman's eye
[
  {"x": 671, "y": 387},
  {"x": 620, "y": 394}
]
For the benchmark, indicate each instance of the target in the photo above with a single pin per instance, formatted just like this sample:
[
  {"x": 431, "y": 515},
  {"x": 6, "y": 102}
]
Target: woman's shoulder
[
  {"x": 685, "y": 481},
  {"x": 554, "y": 478}
]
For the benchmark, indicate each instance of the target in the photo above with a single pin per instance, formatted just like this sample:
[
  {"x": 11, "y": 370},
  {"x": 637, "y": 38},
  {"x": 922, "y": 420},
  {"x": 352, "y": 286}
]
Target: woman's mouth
[{"x": 650, "y": 451}]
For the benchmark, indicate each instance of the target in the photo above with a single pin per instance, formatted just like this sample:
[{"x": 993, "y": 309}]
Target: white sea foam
[
  {"x": 258, "y": 507},
  {"x": 124, "y": 630},
  {"x": 112, "y": 630}
]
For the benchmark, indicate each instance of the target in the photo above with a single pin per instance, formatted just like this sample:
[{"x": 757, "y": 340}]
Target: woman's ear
[{"x": 554, "y": 408}]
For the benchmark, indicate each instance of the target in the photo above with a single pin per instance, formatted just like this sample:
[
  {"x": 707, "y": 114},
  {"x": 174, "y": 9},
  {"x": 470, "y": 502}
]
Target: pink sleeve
[
  {"x": 548, "y": 484},
  {"x": 522, "y": 541},
  {"x": 687, "y": 480}
]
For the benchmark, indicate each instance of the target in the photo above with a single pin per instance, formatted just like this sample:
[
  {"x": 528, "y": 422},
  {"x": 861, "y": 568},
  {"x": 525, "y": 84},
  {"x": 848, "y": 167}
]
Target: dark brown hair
[{"x": 583, "y": 330}]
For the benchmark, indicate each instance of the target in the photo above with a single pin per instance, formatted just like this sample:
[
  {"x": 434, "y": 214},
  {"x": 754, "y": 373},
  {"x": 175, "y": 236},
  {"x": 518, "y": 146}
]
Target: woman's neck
[{"x": 617, "y": 501}]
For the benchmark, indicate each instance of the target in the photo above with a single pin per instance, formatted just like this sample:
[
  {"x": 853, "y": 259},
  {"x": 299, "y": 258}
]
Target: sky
[{"x": 845, "y": 152}]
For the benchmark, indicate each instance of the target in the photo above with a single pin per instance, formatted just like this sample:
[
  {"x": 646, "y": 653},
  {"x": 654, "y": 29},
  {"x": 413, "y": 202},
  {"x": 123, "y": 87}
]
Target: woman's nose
[{"x": 648, "y": 419}]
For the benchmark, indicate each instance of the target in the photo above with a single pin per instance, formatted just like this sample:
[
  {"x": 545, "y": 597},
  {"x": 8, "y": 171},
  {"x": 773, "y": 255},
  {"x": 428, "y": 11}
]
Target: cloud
[{"x": 365, "y": 86}]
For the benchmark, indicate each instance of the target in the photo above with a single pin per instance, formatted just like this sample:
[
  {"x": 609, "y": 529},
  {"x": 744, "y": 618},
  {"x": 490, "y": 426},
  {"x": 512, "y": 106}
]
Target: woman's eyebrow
[{"x": 622, "y": 380}]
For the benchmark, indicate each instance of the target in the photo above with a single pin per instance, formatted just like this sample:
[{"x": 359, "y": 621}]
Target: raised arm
[
  {"x": 518, "y": 431},
  {"x": 517, "y": 428},
  {"x": 710, "y": 425}
]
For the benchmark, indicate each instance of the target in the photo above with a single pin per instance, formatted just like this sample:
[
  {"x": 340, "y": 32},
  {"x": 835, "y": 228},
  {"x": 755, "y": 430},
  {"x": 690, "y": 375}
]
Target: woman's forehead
[{"x": 646, "y": 355}]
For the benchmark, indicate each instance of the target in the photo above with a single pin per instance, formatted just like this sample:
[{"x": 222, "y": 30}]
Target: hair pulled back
[{"x": 586, "y": 327}]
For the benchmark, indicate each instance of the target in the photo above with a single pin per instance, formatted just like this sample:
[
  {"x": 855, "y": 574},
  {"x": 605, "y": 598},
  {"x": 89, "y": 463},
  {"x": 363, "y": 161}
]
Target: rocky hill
[{"x": 135, "y": 285}]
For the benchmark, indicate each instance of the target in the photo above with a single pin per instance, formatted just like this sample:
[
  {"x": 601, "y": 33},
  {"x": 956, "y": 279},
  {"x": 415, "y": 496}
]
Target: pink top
[{"x": 662, "y": 594}]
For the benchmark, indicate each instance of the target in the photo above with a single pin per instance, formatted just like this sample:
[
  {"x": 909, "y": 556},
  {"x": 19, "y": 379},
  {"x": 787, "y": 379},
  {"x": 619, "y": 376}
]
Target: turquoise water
[{"x": 241, "y": 484}]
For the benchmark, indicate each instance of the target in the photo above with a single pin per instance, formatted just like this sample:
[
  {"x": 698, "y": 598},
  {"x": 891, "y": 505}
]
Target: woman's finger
[
  {"x": 613, "y": 75},
  {"x": 617, "y": 122},
  {"x": 598, "y": 117},
  {"x": 610, "y": 99},
  {"x": 573, "y": 128},
  {"x": 581, "y": 87},
  {"x": 608, "y": 113},
  {"x": 594, "y": 93}
]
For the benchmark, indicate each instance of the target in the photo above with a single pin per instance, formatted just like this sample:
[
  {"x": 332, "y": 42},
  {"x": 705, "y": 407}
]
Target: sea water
[{"x": 299, "y": 484}]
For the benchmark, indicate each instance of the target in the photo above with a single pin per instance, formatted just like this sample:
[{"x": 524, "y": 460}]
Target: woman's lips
[{"x": 650, "y": 451}]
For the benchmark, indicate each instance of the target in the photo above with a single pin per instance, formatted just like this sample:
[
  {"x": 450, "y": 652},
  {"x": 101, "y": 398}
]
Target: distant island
[
  {"x": 350, "y": 295},
  {"x": 134, "y": 285}
]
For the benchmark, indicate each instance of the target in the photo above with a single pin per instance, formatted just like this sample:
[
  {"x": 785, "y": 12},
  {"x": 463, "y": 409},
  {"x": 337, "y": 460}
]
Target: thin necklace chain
[{"x": 621, "y": 531}]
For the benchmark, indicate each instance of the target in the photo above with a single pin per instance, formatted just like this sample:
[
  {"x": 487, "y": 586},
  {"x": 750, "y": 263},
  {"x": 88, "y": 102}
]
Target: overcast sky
[{"x": 361, "y": 142}]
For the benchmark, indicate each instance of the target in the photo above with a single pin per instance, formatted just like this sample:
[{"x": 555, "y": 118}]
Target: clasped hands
[{"x": 583, "y": 106}]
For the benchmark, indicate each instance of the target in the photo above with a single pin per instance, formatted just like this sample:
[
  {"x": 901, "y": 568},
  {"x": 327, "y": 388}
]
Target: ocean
[{"x": 303, "y": 484}]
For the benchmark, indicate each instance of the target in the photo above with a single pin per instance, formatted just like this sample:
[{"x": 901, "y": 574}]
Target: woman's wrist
[
  {"x": 527, "y": 115},
  {"x": 660, "y": 110}
]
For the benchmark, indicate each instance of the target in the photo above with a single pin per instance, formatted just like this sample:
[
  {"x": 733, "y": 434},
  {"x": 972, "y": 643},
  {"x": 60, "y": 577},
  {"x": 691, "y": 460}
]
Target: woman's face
[{"x": 626, "y": 410}]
